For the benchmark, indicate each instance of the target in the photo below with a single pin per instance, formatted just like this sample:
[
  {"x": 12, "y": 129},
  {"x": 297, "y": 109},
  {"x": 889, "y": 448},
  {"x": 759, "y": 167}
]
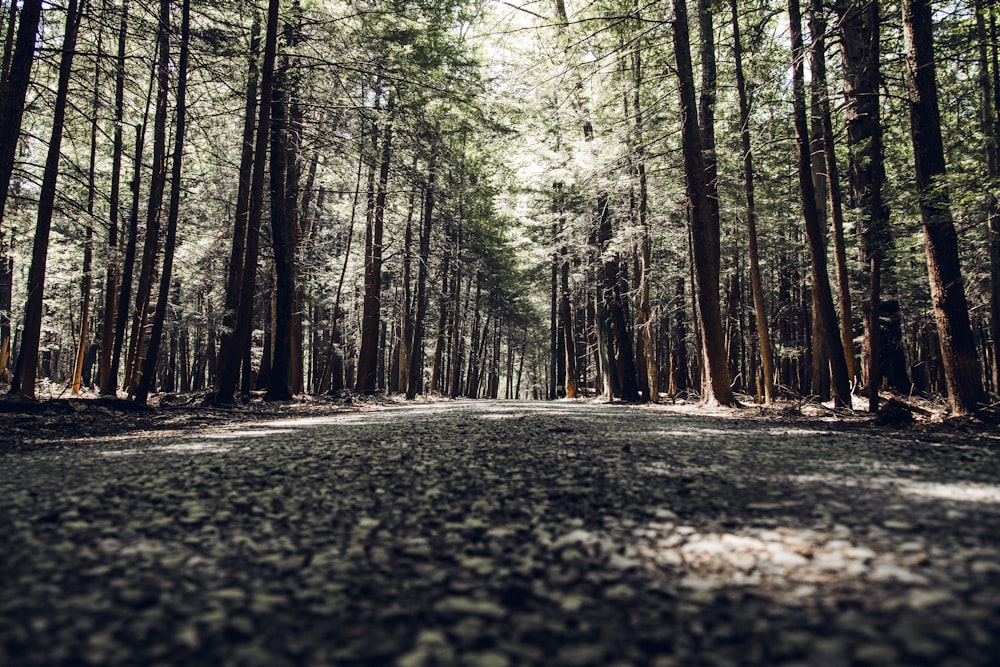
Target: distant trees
[{"x": 559, "y": 199}]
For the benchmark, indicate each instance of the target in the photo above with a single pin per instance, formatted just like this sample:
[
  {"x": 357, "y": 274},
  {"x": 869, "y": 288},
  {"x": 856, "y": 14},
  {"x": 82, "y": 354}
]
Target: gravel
[{"x": 494, "y": 534}]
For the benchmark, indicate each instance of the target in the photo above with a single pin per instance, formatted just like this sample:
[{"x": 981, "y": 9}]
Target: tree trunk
[
  {"x": 958, "y": 349},
  {"x": 414, "y": 375},
  {"x": 13, "y": 90},
  {"x": 154, "y": 203},
  {"x": 372, "y": 310},
  {"x": 716, "y": 387},
  {"x": 241, "y": 335},
  {"x": 234, "y": 276},
  {"x": 990, "y": 104},
  {"x": 859, "y": 27},
  {"x": 107, "y": 378},
  {"x": 644, "y": 311},
  {"x": 88, "y": 244},
  {"x": 147, "y": 379},
  {"x": 834, "y": 189},
  {"x": 27, "y": 361},
  {"x": 282, "y": 236},
  {"x": 822, "y": 295},
  {"x": 760, "y": 307}
]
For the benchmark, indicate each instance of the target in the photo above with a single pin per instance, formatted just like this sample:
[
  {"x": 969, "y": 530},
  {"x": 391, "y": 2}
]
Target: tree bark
[
  {"x": 86, "y": 284},
  {"x": 371, "y": 319},
  {"x": 822, "y": 295},
  {"x": 958, "y": 348},
  {"x": 241, "y": 335},
  {"x": 414, "y": 376},
  {"x": 716, "y": 387},
  {"x": 154, "y": 203},
  {"x": 27, "y": 360},
  {"x": 107, "y": 379},
  {"x": 234, "y": 275},
  {"x": 147, "y": 379},
  {"x": 859, "y": 27},
  {"x": 760, "y": 307}
]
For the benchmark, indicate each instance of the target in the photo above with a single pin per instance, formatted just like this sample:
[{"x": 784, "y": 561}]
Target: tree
[
  {"x": 822, "y": 296},
  {"x": 27, "y": 360},
  {"x": 716, "y": 382},
  {"x": 148, "y": 377},
  {"x": 760, "y": 308},
  {"x": 859, "y": 38},
  {"x": 958, "y": 346},
  {"x": 227, "y": 380}
]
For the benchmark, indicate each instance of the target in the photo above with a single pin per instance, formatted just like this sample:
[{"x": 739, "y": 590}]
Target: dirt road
[{"x": 502, "y": 533}]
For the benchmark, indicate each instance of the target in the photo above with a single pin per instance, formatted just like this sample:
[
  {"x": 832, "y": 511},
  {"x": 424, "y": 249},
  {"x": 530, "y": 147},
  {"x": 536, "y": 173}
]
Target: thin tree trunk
[
  {"x": 234, "y": 276},
  {"x": 244, "y": 317},
  {"x": 958, "y": 349},
  {"x": 27, "y": 360},
  {"x": 760, "y": 307},
  {"x": 859, "y": 27},
  {"x": 644, "y": 312},
  {"x": 823, "y": 297},
  {"x": 283, "y": 304},
  {"x": 414, "y": 376},
  {"x": 148, "y": 377},
  {"x": 834, "y": 189},
  {"x": 13, "y": 90},
  {"x": 107, "y": 377},
  {"x": 154, "y": 204},
  {"x": 88, "y": 243},
  {"x": 716, "y": 387},
  {"x": 372, "y": 310},
  {"x": 990, "y": 87}
]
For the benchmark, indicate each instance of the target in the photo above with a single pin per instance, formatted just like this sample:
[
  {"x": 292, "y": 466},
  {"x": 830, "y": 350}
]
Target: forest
[{"x": 634, "y": 199}]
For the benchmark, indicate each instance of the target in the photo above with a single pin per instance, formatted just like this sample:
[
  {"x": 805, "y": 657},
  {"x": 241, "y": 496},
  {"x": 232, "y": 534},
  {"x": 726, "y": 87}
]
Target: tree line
[{"x": 482, "y": 199}]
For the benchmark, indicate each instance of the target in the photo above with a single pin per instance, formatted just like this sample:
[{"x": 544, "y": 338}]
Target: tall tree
[
  {"x": 822, "y": 295},
  {"x": 372, "y": 318},
  {"x": 958, "y": 346},
  {"x": 859, "y": 24},
  {"x": 234, "y": 273},
  {"x": 106, "y": 376},
  {"x": 27, "y": 360},
  {"x": 716, "y": 384},
  {"x": 154, "y": 203},
  {"x": 148, "y": 376},
  {"x": 227, "y": 380},
  {"x": 760, "y": 307}
]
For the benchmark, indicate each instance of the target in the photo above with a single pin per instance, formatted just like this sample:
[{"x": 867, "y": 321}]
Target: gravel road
[{"x": 503, "y": 533}]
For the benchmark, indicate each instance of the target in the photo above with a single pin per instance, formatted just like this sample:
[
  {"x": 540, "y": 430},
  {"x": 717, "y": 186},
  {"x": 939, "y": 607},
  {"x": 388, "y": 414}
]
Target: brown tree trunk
[
  {"x": 282, "y": 236},
  {"x": 244, "y": 315},
  {"x": 88, "y": 243},
  {"x": 989, "y": 84},
  {"x": 154, "y": 203},
  {"x": 822, "y": 295},
  {"x": 760, "y": 307},
  {"x": 371, "y": 319},
  {"x": 414, "y": 376},
  {"x": 234, "y": 275},
  {"x": 27, "y": 360},
  {"x": 958, "y": 349},
  {"x": 107, "y": 379},
  {"x": 835, "y": 191},
  {"x": 13, "y": 90},
  {"x": 644, "y": 311},
  {"x": 716, "y": 387},
  {"x": 147, "y": 379},
  {"x": 859, "y": 27}
]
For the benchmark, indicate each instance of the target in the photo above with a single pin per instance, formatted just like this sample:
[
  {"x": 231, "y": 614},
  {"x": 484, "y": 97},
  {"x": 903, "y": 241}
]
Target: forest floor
[{"x": 494, "y": 533}]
